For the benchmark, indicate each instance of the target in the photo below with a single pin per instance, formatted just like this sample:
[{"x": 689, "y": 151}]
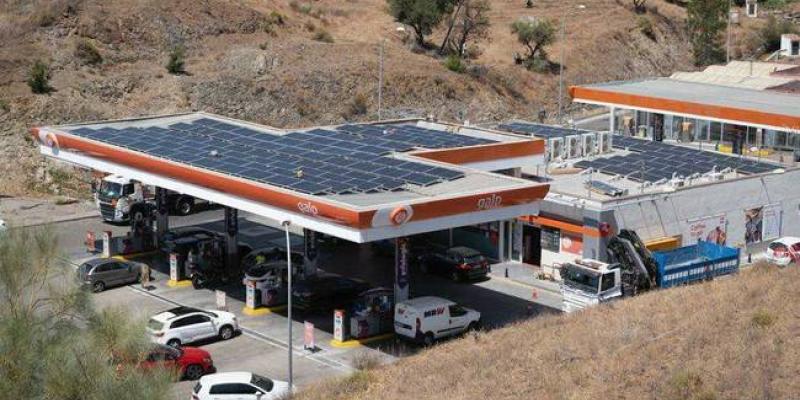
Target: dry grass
[{"x": 728, "y": 339}]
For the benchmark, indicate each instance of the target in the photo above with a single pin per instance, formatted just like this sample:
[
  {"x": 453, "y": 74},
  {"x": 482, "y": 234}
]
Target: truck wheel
[
  {"x": 427, "y": 340},
  {"x": 137, "y": 216},
  {"x": 185, "y": 206}
]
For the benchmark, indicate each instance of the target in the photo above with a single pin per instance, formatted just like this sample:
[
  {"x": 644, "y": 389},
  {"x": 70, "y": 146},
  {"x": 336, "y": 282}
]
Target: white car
[
  {"x": 425, "y": 319},
  {"x": 238, "y": 386},
  {"x": 784, "y": 251},
  {"x": 3, "y": 226},
  {"x": 181, "y": 325}
]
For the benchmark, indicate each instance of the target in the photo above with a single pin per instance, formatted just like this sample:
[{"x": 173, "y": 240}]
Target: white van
[{"x": 425, "y": 319}]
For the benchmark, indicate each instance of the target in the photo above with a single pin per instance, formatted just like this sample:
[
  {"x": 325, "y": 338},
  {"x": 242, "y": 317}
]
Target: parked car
[
  {"x": 239, "y": 386},
  {"x": 180, "y": 325},
  {"x": 172, "y": 238},
  {"x": 3, "y": 226},
  {"x": 426, "y": 319},
  {"x": 326, "y": 292},
  {"x": 268, "y": 255},
  {"x": 458, "y": 263},
  {"x": 101, "y": 273},
  {"x": 784, "y": 251},
  {"x": 188, "y": 362}
]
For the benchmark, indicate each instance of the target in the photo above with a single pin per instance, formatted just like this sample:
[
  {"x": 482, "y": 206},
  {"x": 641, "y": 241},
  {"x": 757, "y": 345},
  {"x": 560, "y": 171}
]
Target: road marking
[{"x": 299, "y": 351}]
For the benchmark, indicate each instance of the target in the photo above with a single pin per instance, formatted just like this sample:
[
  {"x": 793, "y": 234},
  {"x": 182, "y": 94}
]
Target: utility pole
[
  {"x": 289, "y": 274},
  {"x": 561, "y": 63},
  {"x": 728, "y": 39},
  {"x": 380, "y": 82}
]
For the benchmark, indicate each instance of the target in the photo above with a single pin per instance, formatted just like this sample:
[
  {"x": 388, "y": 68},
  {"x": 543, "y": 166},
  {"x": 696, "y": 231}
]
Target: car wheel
[
  {"x": 174, "y": 343},
  {"x": 473, "y": 326},
  {"x": 427, "y": 340},
  {"x": 98, "y": 287},
  {"x": 197, "y": 282},
  {"x": 184, "y": 206},
  {"x": 455, "y": 276},
  {"x": 194, "y": 372},
  {"x": 226, "y": 332}
]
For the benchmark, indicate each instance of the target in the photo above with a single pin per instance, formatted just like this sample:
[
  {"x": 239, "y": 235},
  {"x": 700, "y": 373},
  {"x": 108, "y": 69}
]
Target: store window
[
  {"x": 551, "y": 239},
  {"x": 607, "y": 282},
  {"x": 715, "y": 132}
]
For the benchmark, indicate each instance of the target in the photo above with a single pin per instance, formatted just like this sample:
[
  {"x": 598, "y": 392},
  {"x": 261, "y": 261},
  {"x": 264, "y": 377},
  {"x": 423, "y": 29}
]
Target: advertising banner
[
  {"x": 401, "y": 269},
  {"x": 762, "y": 223},
  {"x": 711, "y": 229},
  {"x": 308, "y": 336},
  {"x": 572, "y": 244}
]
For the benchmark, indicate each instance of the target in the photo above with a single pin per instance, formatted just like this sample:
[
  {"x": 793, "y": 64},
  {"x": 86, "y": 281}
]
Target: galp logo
[
  {"x": 308, "y": 208},
  {"x": 487, "y": 203}
]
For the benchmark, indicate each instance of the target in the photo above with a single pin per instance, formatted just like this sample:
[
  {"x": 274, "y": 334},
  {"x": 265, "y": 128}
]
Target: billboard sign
[{"x": 710, "y": 229}]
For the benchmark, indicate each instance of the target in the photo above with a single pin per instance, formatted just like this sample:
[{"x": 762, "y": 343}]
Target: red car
[{"x": 189, "y": 362}]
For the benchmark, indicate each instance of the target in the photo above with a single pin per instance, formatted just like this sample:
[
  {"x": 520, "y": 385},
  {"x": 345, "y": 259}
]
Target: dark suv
[{"x": 458, "y": 263}]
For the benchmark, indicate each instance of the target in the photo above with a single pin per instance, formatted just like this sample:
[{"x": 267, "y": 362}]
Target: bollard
[
  {"x": 506, "y": 272},
  {"x": 749, "y": 258}
]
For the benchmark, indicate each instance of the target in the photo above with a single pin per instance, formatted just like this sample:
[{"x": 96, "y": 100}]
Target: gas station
[{"x": 361, "y": 183}]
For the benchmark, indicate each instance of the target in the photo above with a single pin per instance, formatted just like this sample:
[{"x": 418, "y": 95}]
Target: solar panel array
[
  {"x": 344, "y": 160},
  {"x": 541, "y": 130},
  {"x": 649, "y": 161}
]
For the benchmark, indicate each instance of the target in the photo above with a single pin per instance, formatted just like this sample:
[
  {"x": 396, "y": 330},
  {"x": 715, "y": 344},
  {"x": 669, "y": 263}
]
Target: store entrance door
[{"x": 531, "y": 245}]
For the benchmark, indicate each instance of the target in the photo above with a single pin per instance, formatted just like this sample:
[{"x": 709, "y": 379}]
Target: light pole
[
  {"x": 728, "y": 34},
  {"x": 289, "y": 274},
  {"x": 561, "y": 62}
]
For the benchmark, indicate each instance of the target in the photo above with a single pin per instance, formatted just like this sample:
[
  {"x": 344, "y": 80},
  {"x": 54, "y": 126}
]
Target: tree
[
  {"x": 53, "y": 344},
  {"x": 39, "y": 78},
  {"x": 470, "y": 23},
  {"x": 176, "y": 61},
  {"x": 707, "y": 20},
  {"x": 421, "y": 15},
  {"x": 534, "y": 34}
]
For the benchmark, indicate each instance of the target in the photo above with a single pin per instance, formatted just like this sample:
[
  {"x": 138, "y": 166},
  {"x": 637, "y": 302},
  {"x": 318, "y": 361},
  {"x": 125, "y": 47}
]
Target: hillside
[
  {"x": 259, "y": 61},
  {"x": 727, "y": 339}
]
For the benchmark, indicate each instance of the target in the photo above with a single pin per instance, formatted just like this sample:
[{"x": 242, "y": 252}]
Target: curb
[
  {"x": 70, "y": 218},
  {"x": 261, "y": 310},
  {"x": 526, "y": 284},
  {"x": 348, "y": 344},
  {"x": 179, "y": 284}
]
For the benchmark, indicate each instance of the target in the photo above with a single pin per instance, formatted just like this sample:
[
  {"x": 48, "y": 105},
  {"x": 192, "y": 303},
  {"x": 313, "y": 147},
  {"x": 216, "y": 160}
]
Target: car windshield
[
  {"x": 473, "y": 259},
  {"x": 262, "y": 382},
  {"x": 110, "y": 189},
  {"x": 579, "y": 278},
  {"x": 155, "y": 325}
]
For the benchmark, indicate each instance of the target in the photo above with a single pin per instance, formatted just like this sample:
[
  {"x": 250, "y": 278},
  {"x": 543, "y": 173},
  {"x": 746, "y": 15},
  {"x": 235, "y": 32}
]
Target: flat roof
[
  {"x": 637, "y": 165},
  {"x": 732, "y": 104},
  {"x": 357, "y": 176}
]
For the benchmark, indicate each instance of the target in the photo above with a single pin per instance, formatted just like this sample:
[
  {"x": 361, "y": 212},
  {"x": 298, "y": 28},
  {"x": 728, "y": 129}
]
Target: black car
[
  {"x": 269, "y": 255},
  {"x": 325, "y": 293},
  {"x": 458, "y": 263},
  {"x": 173, "y": 239}
]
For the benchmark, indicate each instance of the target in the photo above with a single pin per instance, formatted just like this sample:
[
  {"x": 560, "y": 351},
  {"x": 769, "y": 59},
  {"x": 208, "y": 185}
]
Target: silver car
[{"x": 100, "y": 273}]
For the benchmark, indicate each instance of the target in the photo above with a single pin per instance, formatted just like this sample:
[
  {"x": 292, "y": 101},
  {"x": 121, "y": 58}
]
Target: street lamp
[
  {"x": 561, "y": 62},
  {"x": 289, "y": 274}
]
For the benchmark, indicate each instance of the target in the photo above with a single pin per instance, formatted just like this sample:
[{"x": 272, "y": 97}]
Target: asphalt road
[{"x": 262, "y": 348}]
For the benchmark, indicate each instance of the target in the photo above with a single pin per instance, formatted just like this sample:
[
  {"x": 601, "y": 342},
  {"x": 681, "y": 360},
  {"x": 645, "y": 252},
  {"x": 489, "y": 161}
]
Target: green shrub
[
  {"x": 277, "y": 18},
  {"x": 455, "y": 64},
  {"x": 763, "y": 319},
  {"x": 39, "y": 78},
  {"x": 646, "y": 27},
  {"x": 86, "y": 51},
  {"x": 323, "y": 36},
  {"x": 176, "y": 61}
]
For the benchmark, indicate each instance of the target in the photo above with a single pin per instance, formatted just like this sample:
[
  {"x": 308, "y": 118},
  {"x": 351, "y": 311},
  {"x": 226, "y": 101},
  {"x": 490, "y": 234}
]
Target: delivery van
[{"x": 426, "y": 319}]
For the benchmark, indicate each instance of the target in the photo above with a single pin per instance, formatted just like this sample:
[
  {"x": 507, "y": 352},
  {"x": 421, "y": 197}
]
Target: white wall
[{"x": 667, "y": 214}]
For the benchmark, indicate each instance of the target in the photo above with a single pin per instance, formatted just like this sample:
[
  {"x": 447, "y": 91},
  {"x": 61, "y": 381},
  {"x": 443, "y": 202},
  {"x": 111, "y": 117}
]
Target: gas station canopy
[{"x": 359, "y": 182}]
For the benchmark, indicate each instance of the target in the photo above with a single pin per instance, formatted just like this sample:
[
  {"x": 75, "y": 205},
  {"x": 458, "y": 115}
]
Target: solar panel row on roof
[{"x": 350, "y": 159}]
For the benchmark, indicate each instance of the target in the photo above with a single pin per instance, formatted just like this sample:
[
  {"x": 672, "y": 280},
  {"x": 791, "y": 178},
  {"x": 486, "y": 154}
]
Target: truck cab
[
  {"x": 589, "y": 282},
  {"x": 115, "y": 196}
]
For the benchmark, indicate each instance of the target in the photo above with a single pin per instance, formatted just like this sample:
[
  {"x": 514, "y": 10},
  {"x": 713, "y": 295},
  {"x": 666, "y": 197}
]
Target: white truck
[
  {"x": 119, "y": 199},
  {"x": 589, "y": 282}
]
